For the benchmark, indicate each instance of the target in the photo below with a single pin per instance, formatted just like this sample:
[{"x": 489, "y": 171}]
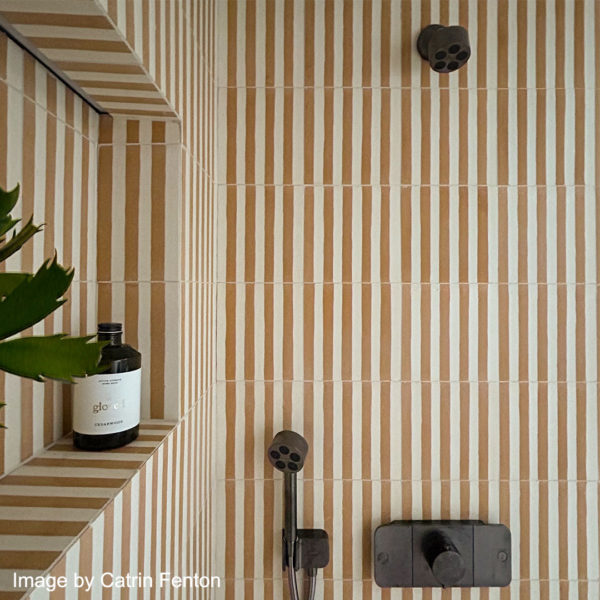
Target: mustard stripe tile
[
  {"x": 47, "y": 461},
  {"x": 56, "y": 502},
  {"x": 70, "y": 473},
  {"x": 33, "y": 491},
  {"x": 65, "y": 32},
  {"x": 21, "y": 543},
  {"x": 7, "y": 577},
  {"x": 70, "y": 453},
  {"x": 45, "y": 513}
]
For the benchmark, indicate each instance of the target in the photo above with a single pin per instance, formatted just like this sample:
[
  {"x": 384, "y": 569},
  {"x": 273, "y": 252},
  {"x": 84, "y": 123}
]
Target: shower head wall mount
[
  {"x": 446, "y": 49},
  {"x": 302, "y": 548}
]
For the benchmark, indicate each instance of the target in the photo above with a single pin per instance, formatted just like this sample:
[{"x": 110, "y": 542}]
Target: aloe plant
[{"x": 26, "y": 299}]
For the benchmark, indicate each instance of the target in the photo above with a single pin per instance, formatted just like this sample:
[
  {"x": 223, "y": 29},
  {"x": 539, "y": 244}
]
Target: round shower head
[
  {"x": 288, "y": 451},
  {"x": 446, "y": 48}
]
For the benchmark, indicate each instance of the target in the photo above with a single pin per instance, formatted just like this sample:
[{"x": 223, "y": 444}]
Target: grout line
[
  {"x": 414, "y": 381},
  {"x": 358, "y": 282},
  {"x": 556, "y": 186},
  {"x": 86, "y": 106},
  {"x": 536, "y": 284},
  {"x": 150, "y": 144},
  {"x": 144, "y": 281},
  {"x": 451, "y": 88},
  {"x": 371, "y": 580},
  {"x": 413, "y": 481}
]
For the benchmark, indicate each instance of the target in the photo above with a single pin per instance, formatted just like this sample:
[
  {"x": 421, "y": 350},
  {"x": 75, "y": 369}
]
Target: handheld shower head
[
  {"x": 288, "y": 451},
  {"x": 302, "y": 548}
]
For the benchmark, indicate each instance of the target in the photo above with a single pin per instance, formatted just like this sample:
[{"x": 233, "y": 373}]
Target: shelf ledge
[{"x": 49, "y": 501}]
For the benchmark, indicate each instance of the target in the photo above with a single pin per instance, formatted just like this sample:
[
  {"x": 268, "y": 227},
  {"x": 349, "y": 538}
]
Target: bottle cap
[{"x": 110, "y": 327}]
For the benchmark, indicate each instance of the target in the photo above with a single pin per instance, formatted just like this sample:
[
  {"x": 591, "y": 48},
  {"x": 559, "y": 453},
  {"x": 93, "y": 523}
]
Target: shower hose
[{"x": 293, "y": 584}]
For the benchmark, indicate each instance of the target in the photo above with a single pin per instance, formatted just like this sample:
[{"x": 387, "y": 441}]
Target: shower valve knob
[{"x": 445, "y": 561}]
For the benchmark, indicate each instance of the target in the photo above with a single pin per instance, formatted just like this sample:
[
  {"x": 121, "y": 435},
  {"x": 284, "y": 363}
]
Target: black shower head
[
  {"x": 446, "y": 48},
  {"x": 288, "y": 451}
]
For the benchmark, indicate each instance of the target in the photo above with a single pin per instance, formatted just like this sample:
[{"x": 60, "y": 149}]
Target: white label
[{"x": 107, "y": 403}]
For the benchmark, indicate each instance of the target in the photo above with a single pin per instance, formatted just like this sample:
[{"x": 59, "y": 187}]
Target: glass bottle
[{"x": 106, "y": 407}]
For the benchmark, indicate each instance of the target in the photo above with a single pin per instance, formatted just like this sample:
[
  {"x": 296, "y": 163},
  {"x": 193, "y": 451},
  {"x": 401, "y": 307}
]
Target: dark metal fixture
[
  {"x": 446, "y": 48},
  {"x": 302, "y": 548},
  {"x": 442, "y": 554}
]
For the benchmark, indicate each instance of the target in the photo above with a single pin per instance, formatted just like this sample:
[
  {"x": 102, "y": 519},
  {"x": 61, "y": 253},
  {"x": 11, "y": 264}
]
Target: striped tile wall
[
  {"x": 81, "y": 40},
  {"x": 158, "y": 521},
  {"x": 155, "y": 255},
  {"x": 53, "y": 506},
  {"x": 138, "y": 257},
  {"x": 170, "y": 529},
  {"x": 48, "y": 142},
  {"x": 175, "y": 40},
  {"x": 408, "y": 274},
  {"x": 176, "y": 43},
  {"x": 180, "y": 58}
]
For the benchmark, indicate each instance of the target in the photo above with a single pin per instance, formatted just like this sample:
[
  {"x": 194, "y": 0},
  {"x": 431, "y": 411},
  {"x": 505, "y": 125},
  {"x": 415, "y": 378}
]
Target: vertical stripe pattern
[
  {"x": 409, "y": 277},
  {"x": 107, "y": 57},
  {"x": 48, "y": 143},
  {"x": 138, "y": 271},
  {"x": 69, "y": 512},
  {"x": 130, "y": 201}
]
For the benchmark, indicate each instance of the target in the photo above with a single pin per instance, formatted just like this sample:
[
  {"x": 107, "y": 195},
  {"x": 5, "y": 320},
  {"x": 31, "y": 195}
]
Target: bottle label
[{"x": 107, "y": 403}]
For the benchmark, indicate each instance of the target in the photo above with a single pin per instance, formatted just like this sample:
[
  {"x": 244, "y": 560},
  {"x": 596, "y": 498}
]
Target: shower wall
[
  {"x": 48, "y": 144},
  {"x": 409, "y": 277},
  {"x": 130, "y": 202}
]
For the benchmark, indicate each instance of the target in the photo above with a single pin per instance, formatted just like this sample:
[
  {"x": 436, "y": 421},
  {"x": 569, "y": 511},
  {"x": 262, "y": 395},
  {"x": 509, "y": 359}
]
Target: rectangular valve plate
[{"x": 442, "y": 554}]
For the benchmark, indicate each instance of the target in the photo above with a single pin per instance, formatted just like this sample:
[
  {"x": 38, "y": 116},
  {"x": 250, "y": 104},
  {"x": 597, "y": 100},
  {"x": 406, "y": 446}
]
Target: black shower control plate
[
  {"x": 312, "y": 549},
  {"x": 405, "y": 555}
]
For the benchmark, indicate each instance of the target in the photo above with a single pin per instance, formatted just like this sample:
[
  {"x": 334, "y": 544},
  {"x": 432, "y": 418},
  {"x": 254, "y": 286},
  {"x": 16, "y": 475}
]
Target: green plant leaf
[
  {"x": 17, "y": 240},
  {"x": 9, "y": 281},
  {"x": 6, "y": 224},
  {"x": 8, "y": 200},
  {"x": 34, "y": 298},
  {"x": 52, "y": 357}
]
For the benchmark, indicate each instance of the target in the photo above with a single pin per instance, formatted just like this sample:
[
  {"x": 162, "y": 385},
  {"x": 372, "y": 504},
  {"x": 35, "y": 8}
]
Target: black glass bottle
[{"x": 106, "y": 407}]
